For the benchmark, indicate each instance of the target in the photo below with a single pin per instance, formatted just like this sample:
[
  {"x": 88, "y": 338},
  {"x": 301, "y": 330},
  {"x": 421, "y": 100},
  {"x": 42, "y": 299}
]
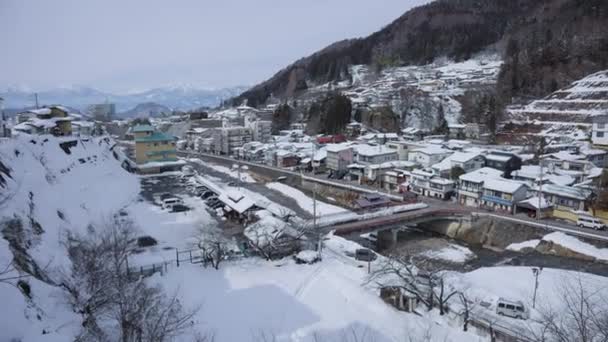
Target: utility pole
[
  {"x": 540, "y": 189},
  {"x": 314, "y": 202},
  {"x": 36, "y": 97},
  {"x": 536, "y": 271},
  {"x": 2, "y": 118}
]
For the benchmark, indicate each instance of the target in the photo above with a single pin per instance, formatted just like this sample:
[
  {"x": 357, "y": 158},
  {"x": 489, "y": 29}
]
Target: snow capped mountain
[{"x": 178, "y": 97}]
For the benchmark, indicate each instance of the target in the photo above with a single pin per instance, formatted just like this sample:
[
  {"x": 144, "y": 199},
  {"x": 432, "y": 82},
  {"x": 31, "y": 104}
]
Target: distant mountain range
[{"x": 174, "y": 98}]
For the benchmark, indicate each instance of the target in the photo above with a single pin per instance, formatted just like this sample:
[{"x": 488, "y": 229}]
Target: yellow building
[
  {"x": 152, "y": 146},
  {"x": 48, "y": 120}
]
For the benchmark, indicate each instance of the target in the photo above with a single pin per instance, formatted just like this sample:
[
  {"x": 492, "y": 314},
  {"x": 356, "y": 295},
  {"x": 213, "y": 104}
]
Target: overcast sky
[{"x": 122, "y": 45}]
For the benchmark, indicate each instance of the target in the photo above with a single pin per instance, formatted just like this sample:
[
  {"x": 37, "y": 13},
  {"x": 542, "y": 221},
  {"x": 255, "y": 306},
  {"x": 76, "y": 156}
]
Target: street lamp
[{"x": 536, "y": 272}]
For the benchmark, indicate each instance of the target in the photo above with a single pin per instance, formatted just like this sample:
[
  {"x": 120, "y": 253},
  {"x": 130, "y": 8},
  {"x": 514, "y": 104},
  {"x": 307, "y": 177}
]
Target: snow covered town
[
  {"x": 435, "y": 237},
  {"x": 222, "y": 172}
]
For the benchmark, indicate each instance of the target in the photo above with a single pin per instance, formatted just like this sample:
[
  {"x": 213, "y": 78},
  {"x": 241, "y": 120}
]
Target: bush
[{"x": 146, "y": 241}]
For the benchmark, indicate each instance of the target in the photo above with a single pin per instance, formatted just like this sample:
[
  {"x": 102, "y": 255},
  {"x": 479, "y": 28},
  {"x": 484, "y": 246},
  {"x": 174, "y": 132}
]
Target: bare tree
[
  {"x": 582, "y": 318},
  {"x": 277, "y": 240},
  {"x": 214, "y": 247},
  {"x": 415, "y": 276},
  {"x": 113, "y": 301},
  {"x": 467, "y": 306}
]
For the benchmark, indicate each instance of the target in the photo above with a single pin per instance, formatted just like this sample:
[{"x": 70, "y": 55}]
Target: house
[
  {"x": 599, "y": 130},
  {"x": 535, "y": 205},
  {"x": 564, "y": 197},
  {"x": 475, "y": 131},
  {"x": 596, "y": 156},
  {"x": 531, "y": 175},
  {"x": 502, "y": 195},
  {"x": 413, "y": 134},
  {"x": 339, "y": 156},
  {"x": 470, "y": 189},
  {"x": 48, "y": 120},
  {"x": 152, "y": 146},
  {"x": 331, "y": 139},
  {"x": 353, "y": 129},
  {"x": 457, "y": 131},
  {"x": 319, "y": 160},
  {"x": 366, "y": 202},
  {"x": 427, "y": 184},
  {"x": 197, "y": 115},
  {"x": 368, "y": 154},
  {"x": 506, "y": 162},
  {"x": 287, "y": 159},
  {"x": 467, "y": 162},
  {"x": 430, "y": 155}
]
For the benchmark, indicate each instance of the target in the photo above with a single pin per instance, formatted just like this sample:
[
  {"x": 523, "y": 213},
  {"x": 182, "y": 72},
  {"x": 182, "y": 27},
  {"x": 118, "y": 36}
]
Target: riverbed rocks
[{"x": 550, "y": 247}]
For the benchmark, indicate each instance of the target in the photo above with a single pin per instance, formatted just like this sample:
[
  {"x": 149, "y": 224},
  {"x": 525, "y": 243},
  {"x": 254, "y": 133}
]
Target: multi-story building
[
  {"x": 152, "y": 146},
  {"x": 502, "y": 195},
  {"x": 261, "y": 130},
  {"x": 368, "y": 154},
  {"x": 467, "y": 161},
  {"x": 506, "y": 162},
  {"x": 339, "y": 156},
  {"x": 599, "y": 130},
  {"x": 103, "y": 112},
  {"x": 470, "y": 189},
  {"x": 230, "y": 138},
  {"x": 429, "y": 155},
  {"x": 427, "y": 184}
]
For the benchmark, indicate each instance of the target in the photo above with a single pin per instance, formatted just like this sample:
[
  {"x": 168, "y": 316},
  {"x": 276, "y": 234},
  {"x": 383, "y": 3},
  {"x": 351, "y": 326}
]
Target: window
[
  {"x": 601, "y": 125},
  {"x": 599, "y": 134}
]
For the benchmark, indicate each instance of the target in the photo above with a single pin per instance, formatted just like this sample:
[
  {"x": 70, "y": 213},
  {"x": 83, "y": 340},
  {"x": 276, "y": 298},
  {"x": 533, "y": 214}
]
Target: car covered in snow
[
  {"x": 514, "y": 309},
  {"x": 168, "y": 203}
]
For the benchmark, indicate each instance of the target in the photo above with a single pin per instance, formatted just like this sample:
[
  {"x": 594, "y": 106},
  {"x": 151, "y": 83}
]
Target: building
[
  {"x": 466, "y": 161},
  {"x": 599, "y": 130},
  {"x": 428, "y": 156},
  {"x": 470, "y": 188},
  {"x": 339, "y": 156},
  {"x": 368, "y": 154},
  {"x": 103, "y": 112},
  {"x": 565, "y": 197},
  {"x": 261, "y": 130},
  {"x": 427, "y": 184},
  {"x": 502, "y": 195},
  {"x": 48, "y": 120},
  {"x": 457, "y": 131},
  {"x": 475, "y": 131},
  {"x": 596, "y": 156},
  {"x": 228, "y": 139},
  {"x": 152, "y": 146},
  {"x": 506, "y": 162}
]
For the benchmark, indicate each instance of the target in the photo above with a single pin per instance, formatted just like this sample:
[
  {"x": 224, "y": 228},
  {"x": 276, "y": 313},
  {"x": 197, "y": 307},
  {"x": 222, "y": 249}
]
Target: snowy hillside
[
  {"x": 577, "y": 103},
  {"x": 45, "y": 192},
  {"x": 418, "y": 94}
]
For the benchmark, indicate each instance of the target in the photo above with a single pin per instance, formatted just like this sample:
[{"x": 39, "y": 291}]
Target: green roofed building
[{"x": 153, "y": 146}]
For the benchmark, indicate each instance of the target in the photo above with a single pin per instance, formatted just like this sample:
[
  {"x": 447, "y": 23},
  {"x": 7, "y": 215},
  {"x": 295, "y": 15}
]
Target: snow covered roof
[
  {"x": 392, "y": 164},
  {"x": 320, "y": 154},
  {"x": 498, "y": 157},
  {"x": 236, "y": 200},
  {"x": 40, "y": 111},
  {"x": 502, "y": 185},
  {"x": 534, "y": 203},
  {"x": 369, "y": 150},
  {"x": 335, "y": 148},
  {"x": 566, "y": 156},
  {"x": 565, "y": 191},
  {"x": 441, "y": 181},
  {"x": 458, "y": 157},
  {"x": 432, "y": 150}
]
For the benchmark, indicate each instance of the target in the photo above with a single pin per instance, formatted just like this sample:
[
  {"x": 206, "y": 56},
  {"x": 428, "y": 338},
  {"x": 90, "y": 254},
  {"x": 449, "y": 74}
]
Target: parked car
[
  {"x": 514, "y": 309},
  {"x": 178, "y": 208},
  {"x": 170, "y": 202},
  {"x": 590, "y": 222},
  {"x": 365, "y": 254}
]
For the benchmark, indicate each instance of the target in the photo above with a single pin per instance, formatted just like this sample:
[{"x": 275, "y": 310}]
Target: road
[{"x": 434, "y": 204}]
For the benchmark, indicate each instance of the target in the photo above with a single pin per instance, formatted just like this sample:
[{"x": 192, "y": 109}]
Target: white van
[
  {"x": 168, "y": 203},
  {"x": 590, "y": 222},
  {"x": 514, "y": 309}
]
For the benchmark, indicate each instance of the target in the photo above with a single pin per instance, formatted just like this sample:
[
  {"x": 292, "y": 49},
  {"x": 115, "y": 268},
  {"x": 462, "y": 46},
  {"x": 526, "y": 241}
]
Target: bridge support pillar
[{"x": 387, "y": 239}]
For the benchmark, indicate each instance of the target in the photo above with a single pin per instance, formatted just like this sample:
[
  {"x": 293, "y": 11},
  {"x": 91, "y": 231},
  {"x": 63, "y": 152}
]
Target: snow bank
[
  {"x": 245, "y": 176},
  {"x": 451, "y": 253},
  {"x": 577, "y": 245},
  {"x": 50, "y": 192},
  {"x": 522, "y": 245},
  {"x": 295, "y": 302},
  {"x": 304, "y": 201}
]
